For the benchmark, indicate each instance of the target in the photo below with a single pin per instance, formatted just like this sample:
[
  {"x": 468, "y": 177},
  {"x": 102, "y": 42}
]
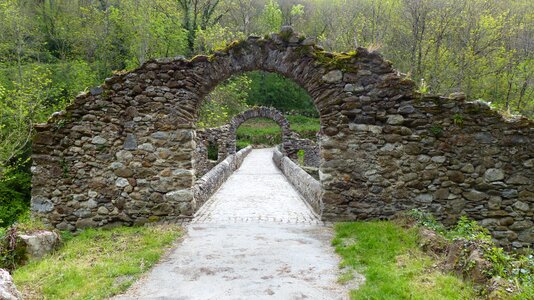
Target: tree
[
  {"x": 19, "y": 109},
  {"x": 198, "y": 14}
]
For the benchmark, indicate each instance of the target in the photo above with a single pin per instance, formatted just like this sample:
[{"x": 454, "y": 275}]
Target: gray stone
[
  {"x": 122, "y": 182},
  {"x": 406, "y": 109},
  {"x": 424, "y": 198},
  {"x": 83, "y": 213},
  {"x": 40, "y": 243},
  {"x": 162, "y": 209},
  {"x": 493, "y": 175},
  {"x": 98, "y": 140},
  {"x": 179, "y": 196},
  {"x": 349, "y": 87},
  {"x": 91, "y": 203},
  {"x": 102, "y": 210},
  {"x": 509, "y": 193},
  {"x": 130, "y": 143},
  {"x": 475, "y": 195},
  {"x": 521, "y": 206},
  {"x": 439, "y": 159},
  {"x": 484, "y": 137},
  {"x": 395, "y": 119},
  {"x": 518, "y": 179},
  {"x": 124, "y": 155},
  {"x": 468, "y": 168},
  {"x": 529, "y": 163},
  {"x": 522, "y": 225},
  {"x": 8, "y": 290},
  {"x": 96, "y": 91},
  {"x": 333, "y": 76},
  {"x": 41, "y": 204},
  {"x": 160, "y": 135},
  {"x": 494, "y": 202},
  {"x": 527, "y": 236},
  {"x": 147, "y": 147}
]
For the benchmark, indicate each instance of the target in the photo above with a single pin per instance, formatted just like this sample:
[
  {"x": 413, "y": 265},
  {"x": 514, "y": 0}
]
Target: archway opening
[{"x": 261, "y": 109}]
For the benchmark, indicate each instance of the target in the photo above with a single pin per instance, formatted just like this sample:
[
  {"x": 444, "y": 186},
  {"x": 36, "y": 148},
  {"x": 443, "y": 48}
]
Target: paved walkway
[{"x": 254, "y": 239}]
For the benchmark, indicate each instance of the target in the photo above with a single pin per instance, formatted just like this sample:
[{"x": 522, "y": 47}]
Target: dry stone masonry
[
  {"x": 225, "y": 138},
  {"x": 304, "y": 183},
  {"x": 124, "y": 152}
]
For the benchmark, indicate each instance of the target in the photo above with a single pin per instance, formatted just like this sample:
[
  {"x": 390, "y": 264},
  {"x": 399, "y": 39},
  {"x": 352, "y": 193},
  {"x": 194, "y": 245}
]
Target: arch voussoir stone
[{"x": 125, "y": 151}]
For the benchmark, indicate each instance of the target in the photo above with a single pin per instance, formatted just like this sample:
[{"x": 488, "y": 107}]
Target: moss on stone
[
  {"x": 339, "y": 61},
  {"x": 153, "y": 219}
]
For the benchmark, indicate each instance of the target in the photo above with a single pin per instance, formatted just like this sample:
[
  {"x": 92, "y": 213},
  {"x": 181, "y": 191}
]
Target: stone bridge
[
  {"x": 224, "y": 138},
  {"x": 124, "y": 152}
]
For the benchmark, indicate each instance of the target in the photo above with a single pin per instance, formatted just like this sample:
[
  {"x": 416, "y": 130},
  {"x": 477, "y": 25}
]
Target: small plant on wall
[
  {"x": 436, "y": 130},
  {"x": 458, "y": 119},
  {"x": 300, "y": 156}
]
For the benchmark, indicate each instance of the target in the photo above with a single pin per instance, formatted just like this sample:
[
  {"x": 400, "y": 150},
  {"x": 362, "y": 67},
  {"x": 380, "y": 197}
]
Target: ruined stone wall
[
  {"x": 124, "y": 153},
  {"x": 446, "y": 156},
  {"x": 312, "y": 155},
  {"x": 219, "y": 136},
  {"x": 309, "y": 188}
]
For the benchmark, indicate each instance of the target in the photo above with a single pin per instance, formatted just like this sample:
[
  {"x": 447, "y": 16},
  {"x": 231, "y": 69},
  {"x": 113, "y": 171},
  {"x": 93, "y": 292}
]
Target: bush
[
  {"x": 15, "y": 194},
  {"x": 12, "y": 249}
]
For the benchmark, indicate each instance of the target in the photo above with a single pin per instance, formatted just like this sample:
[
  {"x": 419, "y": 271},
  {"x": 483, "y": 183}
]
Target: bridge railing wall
[
  {"x": 208, "y": 184},
  {"x": 308, "y": 187}
]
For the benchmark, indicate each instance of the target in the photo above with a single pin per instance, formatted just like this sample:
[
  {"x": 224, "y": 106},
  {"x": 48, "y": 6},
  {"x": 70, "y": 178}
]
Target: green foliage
[
  {"x": 15, "y": 187},
  {"x": 300, "y": 157},
  {"x": 96, "y": 263},
  {"x": 436, "y": 130},
  {"x": 224, "y": 102},
  {"x": 427, "y": 220},
  {"x": 12, "y": 249},
  {"x": 458, "y": 119},
  {"x": 513, "y": 267},
  {"x": 469, "y": 230},
  {"x": 213, "y": 151},
  {"x": 273, "y": 90},
  {"x": 20, "y": 106},
  {"x": 259, "y": 131},
  {"x": 271, "y": 18},
  {"x": 393, "y": 265},
  {"x": 423, "y": 87}
]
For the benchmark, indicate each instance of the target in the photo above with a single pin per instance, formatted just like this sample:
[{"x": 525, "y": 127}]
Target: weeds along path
[{"x": 254, "y": 239}]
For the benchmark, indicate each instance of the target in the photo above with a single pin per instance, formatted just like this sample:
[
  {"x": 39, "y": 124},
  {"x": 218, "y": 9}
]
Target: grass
[
  {"x": 394, "y": 267},
  {"x": 262, "y": 131},
  {"x": 95, "y": 264}
]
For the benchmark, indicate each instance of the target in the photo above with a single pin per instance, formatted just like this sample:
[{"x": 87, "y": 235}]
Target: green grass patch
[
  {"x": 262, "y": 131},
  {"x": 95, "y": 264},
  {"x": 393, "y": 265}
]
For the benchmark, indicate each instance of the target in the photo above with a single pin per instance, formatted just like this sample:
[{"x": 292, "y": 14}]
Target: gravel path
[{"x": 254, "y": 239}]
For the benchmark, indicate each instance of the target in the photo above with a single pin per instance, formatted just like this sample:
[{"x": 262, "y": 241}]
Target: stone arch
[
  {"x": 124, "y": 152},
  {"x": 257, "y": 112}
]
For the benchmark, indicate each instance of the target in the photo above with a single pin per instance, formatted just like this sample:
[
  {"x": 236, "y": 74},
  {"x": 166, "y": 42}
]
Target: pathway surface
[{"x": 254, "y": 239}]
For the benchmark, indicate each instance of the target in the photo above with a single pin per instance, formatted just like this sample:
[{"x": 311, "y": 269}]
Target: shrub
[
  {"x": 15, "y": 194},
  {"x": 12, "y": 249}
]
